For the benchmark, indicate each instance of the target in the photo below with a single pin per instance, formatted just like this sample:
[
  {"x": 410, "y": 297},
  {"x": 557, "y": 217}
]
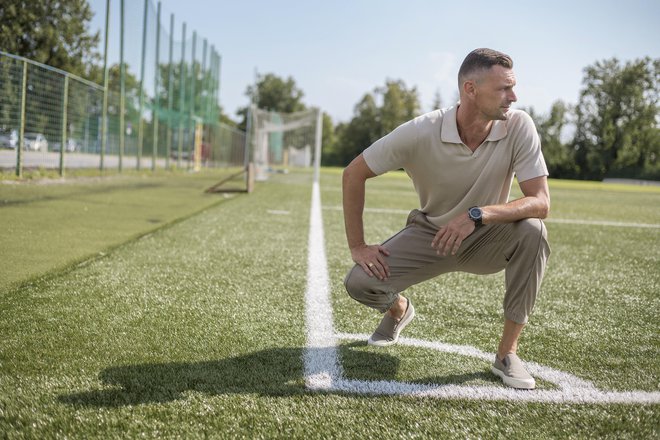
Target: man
[{"x": 462, "y": 161}]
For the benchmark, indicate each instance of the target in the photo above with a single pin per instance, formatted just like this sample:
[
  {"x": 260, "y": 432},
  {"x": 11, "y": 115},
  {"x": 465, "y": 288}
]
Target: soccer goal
[{"x": 280, "y": 141}]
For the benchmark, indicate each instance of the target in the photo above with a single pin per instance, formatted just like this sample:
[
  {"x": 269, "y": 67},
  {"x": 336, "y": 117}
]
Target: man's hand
[
  {"x": 370, "y": 258},
  {"x": 449, "y": 238}
]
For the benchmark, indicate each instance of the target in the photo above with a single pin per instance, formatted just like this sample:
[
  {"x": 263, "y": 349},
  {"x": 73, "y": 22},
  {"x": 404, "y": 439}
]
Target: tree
[
  {"x": 275, "y": 94},
  {"x": 559, "y": 156},
  {"x": 399, "y": 105},
  {"x": 360, "y": 132},
  {"x": 437, "y": 100},
  {"x": 328, "y": 141},
  {"x": 371, "y": 122},
  {"x": 51, "y": 32},
  {"x": 617, "y": 120}
]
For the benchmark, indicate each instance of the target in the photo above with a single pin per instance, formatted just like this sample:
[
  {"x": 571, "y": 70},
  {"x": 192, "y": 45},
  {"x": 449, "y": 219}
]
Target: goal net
[{"x": 283, "y": 140}]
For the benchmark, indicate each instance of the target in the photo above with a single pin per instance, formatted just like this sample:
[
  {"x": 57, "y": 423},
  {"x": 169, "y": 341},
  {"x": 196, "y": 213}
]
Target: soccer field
[{"x": 213, "y": 327}]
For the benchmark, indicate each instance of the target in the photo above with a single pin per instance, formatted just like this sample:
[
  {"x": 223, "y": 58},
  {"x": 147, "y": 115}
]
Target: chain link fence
[{"x": 159, "y": 101}]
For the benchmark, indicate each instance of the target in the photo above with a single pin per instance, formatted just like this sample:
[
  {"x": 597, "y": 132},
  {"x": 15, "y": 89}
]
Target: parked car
[
  {"x": 35, "y": 142},
  {"x": 71, "y": 145},
  {"x": 8, "y": 138}
]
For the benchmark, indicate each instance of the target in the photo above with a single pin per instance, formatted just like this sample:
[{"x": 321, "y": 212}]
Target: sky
[{"x": 337, "y": 51}]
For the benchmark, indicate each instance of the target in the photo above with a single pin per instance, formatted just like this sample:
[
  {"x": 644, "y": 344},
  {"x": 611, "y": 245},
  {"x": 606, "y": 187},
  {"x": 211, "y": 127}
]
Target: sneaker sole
[
  {"x": 400, "y": 328},
  {"x": 520, "y": 384}
]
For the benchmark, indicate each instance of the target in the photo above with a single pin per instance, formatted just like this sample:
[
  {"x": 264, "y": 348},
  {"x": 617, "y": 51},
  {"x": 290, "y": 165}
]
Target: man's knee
[
  {"x": 363, "y": 288},
  {"x": 532, "y": 231},
  {"x": 357, "y": 283}
]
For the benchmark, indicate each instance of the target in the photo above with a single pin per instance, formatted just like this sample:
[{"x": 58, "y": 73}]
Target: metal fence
[{"x": 159, "y": 101}]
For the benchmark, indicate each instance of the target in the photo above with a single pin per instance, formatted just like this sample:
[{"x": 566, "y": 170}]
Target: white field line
[
  {"x": 567, "y": 221},
  {"x": 323, "y": 370},
  {"x": 321, "y": 359}
]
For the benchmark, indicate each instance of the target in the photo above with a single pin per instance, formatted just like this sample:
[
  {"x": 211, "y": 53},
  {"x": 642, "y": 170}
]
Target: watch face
[{"x": 475, "y": 213}]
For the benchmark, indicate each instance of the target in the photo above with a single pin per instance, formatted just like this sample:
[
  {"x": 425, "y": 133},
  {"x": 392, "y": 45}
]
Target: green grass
[
  {"x": 197, "y": 329},
  {"x": 50, "y": 224}
]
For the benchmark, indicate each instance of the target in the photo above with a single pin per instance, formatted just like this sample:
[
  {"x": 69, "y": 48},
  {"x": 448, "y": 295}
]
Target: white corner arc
[{"x": 323, "y": 371}]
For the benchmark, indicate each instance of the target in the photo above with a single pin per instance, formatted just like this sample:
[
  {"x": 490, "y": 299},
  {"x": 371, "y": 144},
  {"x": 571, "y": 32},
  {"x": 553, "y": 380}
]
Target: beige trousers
[{"x": 520, "y": 248}]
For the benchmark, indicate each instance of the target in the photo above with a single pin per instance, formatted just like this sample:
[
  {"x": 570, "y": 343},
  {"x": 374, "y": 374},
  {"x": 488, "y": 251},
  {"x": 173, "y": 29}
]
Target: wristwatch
[{"x": 475, "y": 215}]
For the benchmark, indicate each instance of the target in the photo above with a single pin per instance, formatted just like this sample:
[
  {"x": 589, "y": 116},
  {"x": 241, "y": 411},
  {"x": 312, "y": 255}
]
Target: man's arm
[
  {"x": 369, "y": 257},
  {"x": 534, "y": 204}
]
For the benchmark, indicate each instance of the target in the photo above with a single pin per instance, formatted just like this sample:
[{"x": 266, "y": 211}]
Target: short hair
[{"x": 482, "y": 59}]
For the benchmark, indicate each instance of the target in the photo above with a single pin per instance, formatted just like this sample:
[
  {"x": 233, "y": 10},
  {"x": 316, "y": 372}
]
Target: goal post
[
  {"x": 284, "y": 140},
  {"x": 275, "y": 142}
]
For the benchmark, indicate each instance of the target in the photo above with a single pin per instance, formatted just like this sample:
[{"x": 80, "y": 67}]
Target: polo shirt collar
[{"x": 450, "y": 128}]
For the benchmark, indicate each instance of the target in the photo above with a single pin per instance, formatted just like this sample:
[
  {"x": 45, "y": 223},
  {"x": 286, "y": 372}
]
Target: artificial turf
[{"x": 197, "y": 329}]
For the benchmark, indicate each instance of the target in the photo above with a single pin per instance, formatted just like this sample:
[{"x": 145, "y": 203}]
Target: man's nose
[{"x": 512, "y": 96}]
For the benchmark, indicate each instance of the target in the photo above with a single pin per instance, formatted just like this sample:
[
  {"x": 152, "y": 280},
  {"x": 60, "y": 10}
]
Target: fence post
[
  {"x": 21, "y": 128},
  {"x": 182, "y": 91},
  {"x": 104, "y": 117},
  {"x": 170, "y": 92},
  {"x": 217, "y": 84},
  {"x": 156, "y": 107},
  {"x": 65, "y": 106},
  {"x": 202, "y": 103},
  {"x": 248, "y": 138},
  {"x": 193, "y": 79},
  {"x": 144, "y": 55},
  {"x": 122, "y": 87},
  {"x": 209, "y": 84}
]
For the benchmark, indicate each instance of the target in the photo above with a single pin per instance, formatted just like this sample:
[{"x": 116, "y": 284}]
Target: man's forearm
[
  {"x": 525, "y": 207},
  {"x": 354, "y": 181},
  {"x": 353, "y": 201},
  {"x": 534, "y": 204}
]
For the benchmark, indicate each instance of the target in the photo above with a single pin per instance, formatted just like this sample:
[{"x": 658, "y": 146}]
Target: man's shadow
[{"x": 272, "y": 372}]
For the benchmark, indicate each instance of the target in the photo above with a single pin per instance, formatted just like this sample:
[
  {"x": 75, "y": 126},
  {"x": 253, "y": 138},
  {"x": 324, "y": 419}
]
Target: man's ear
[{"x": 469, "y": 88}]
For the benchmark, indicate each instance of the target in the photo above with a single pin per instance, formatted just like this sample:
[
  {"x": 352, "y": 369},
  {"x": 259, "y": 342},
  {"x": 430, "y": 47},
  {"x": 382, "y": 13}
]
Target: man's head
[{"x": 485, "y": 81}]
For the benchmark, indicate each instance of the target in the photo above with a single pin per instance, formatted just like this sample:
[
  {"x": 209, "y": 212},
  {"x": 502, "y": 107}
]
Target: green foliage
[
  {"x": 559, "y": 156},
  {"x": 615, "y": 124},
  {"x": 275, "y": 94},
  {"x": 329, "y": 138},
  {"x": 617, "y": 120},
  {"x": 52, "y": 33},
  {"x": 371, "y": 121}
]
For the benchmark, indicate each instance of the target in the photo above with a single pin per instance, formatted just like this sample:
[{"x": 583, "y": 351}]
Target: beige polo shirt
[{"x": 448, "y": 177}]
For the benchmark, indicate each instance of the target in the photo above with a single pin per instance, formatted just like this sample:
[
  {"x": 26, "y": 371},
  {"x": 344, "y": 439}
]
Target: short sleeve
[
  {"x": 392, "y": 152},
  {"x": 528, "y": 161}
]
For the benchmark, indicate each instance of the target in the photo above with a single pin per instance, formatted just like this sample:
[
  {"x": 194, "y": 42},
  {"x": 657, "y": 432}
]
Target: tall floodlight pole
[{"x": 104, "y": 117}]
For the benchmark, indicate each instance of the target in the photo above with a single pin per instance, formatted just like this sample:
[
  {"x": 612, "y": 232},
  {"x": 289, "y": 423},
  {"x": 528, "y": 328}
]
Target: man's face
[{"x": 494, "y": 92}]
